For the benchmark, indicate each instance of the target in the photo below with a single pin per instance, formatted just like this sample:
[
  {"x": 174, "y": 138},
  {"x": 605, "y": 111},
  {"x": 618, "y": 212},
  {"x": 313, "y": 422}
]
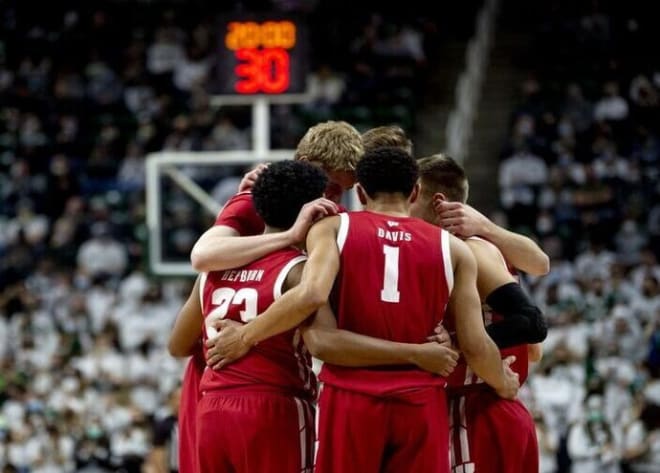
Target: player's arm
[
  {"x": 523, "y": 321},
  {"x": 465, "y": 221},
  {"x": 479, "y": 350},
  {"x": 187, "y": 331},
  {"x": 344, "y": 348},
  {"x": 222, "y": 247},
  {"x": 295, "y": 305}
]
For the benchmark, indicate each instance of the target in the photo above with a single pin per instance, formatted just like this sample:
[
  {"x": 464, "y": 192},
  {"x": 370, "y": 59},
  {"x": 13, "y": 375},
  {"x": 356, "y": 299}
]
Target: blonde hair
[
  {"x": 387, "y": 136},
  {"x": 335, "y": 145}
]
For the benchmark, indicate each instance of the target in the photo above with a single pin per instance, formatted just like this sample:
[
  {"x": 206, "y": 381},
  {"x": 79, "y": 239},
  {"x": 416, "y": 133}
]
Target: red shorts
[
  {"x": 489, "y": 434},
  {"x": 188, "y": 412},
  {"x": 366, "y": 434},
  {"x": 254, "y": 432}
]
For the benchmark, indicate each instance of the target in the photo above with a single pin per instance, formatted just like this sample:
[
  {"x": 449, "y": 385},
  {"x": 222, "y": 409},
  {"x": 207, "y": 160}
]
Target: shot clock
[{"x": 261, "y": 55}]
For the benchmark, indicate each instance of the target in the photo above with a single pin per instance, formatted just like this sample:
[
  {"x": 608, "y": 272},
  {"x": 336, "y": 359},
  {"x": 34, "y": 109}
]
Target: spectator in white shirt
[
  {"x": 611, "y": 107},
  {"x": 102, "y": 254}
]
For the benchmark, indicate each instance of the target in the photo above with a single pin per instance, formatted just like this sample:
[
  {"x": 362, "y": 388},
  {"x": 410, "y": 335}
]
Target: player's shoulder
[
  {"x": 327, "y": 223},
  {"x": 483, "y": 247},
  {"x": 245, "y": 196},
  {"x": 479, "y": 242}
]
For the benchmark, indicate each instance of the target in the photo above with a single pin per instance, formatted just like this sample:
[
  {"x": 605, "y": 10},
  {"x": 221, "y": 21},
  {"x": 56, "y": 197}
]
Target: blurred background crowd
[{"x": 87, "y": 91}]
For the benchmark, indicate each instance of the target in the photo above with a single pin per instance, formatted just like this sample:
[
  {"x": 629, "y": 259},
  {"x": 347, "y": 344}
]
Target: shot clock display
[{"x": 261, "y": 55}]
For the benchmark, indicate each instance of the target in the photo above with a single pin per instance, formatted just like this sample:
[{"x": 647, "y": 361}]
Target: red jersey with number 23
[
  {"x": 394, "y": 283},
  {"x": 278, "y": 364}
]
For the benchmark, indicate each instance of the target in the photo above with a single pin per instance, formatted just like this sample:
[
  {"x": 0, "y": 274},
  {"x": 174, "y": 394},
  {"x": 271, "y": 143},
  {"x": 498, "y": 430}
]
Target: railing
[{"x": 468, "y": 88}]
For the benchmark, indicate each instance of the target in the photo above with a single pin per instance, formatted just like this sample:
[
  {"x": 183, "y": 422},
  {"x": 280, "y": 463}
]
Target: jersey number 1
[{"x": 390, "y": 291}]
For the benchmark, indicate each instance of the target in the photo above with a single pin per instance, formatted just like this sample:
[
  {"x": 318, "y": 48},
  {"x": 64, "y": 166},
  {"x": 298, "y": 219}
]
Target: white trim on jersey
[
  {"x": 279, "y": 282},
  {"x": 342, "y": 233},
  {"x": 463, "y": 449},
  {"x": 317, "y": 421},
  {"x": 302, "y": 428},
  {"x": 202, "y": 283},
  {"x": 305, "y": 413},
  {"x": 446, "y": 256}
]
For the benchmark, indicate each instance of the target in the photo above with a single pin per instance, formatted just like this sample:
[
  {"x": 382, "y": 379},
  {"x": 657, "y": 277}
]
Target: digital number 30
[{"x": 262, "y": 71}]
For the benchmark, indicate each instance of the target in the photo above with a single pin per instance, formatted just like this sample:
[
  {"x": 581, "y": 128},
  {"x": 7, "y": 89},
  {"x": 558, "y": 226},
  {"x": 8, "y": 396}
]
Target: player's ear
[
  {"x": 362, "y": 194},
  {"x": 438, "y": 197},
  {"x": 415, "y": 193}
]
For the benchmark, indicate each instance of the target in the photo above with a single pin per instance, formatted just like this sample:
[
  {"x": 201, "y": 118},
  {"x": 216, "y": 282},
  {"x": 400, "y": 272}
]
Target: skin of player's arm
[
  {"x": 157, "y": 461},
  {"x": 187, "y": 331},
  {"x": 493, "y": 275},
  {"x": 479, "y": 350},
  {"x": 221, "y": 247},
  {"x": 521, "y": 251},
  {"x": 307, "y": 297},
  {"x": 491, "y": 272},
  {"x": 344, "y": 348}
]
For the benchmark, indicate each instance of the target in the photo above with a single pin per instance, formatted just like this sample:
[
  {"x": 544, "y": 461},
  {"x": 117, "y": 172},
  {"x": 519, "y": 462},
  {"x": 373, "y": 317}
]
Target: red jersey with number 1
[
  {"x": 280, "y": 363},
  {"x": 394, "y": 283},
  {"x": 463, "y": 378}
]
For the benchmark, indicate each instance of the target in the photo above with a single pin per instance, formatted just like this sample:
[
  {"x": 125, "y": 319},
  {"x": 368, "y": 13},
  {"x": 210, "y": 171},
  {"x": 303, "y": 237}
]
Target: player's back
[
  {"x": 394, "y": 282},
  {"x": 279, "y": 363},
  {"x": 463, "y": 378}
]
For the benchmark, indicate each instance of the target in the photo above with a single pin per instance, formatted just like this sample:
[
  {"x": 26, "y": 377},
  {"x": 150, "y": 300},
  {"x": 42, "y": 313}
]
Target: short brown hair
[
  {"x": 335, "y": 145},
  {"x": 387, "y": 136},
  {"x": 441, "y": 173}
]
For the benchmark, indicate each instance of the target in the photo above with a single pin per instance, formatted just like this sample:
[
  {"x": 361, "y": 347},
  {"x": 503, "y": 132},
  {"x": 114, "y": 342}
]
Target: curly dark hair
[
  {"x": 283, "y": 188},
  {"x": 388, "y": 170}
]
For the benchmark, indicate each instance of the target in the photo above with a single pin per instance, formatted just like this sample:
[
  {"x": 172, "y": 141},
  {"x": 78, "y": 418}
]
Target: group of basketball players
[{"x": 388, "y": 298}]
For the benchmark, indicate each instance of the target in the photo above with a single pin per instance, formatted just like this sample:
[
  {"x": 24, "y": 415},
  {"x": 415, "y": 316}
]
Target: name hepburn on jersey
[
  {"x": 242, "y": 275},
  {"x": 397, "y": 235}
]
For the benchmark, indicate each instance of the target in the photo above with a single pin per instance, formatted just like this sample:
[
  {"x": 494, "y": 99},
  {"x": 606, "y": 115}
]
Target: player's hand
[
  {"x": 214, "y": 348},
  {"x": 247, "y": 183},
  {"x": 460, "y": 219},
  {"x": 435, "y": 358},
  {"x": 310, "y": 213},
  {"x": 441, "y": 336},
  {"x": 228, "y": 346},
  {"x": 509, "y": 389}
]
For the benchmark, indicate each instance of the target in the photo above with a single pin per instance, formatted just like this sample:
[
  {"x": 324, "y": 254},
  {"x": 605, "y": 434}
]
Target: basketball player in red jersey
[
  {"x": 335, "y": 147},
  {"x": 395, "y": 277},
  {"x": 263, "y": 401},
  {"x": 488, "y": 434}
]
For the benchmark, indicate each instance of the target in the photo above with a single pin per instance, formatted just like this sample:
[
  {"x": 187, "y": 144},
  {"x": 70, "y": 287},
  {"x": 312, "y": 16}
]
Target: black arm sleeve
[{"x": 522, "y": 320}]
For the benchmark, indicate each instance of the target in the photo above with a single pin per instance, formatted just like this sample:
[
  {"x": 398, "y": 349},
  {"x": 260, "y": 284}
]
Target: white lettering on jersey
[
  {"x": 242, "y": 275},
  {"x": 397, "y": 235}
]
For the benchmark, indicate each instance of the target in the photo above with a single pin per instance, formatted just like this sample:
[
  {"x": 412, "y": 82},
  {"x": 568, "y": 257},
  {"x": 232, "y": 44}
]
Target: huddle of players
[{"x": 375, "y": 296}]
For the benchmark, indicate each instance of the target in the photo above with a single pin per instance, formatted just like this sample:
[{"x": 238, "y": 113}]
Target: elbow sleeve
[{"x": 522, "y": 321}]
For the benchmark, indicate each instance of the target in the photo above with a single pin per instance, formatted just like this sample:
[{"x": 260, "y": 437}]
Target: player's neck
[{"x": 389, "y": 205}]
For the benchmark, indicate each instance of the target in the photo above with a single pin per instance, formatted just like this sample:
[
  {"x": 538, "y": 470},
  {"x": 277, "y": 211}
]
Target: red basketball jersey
[
  {"x": 463, "y": 378},
  {"x": 280, "y": 363},
  {"x": 394, "y": 283},
  {"x": 239, "y": 213}
]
